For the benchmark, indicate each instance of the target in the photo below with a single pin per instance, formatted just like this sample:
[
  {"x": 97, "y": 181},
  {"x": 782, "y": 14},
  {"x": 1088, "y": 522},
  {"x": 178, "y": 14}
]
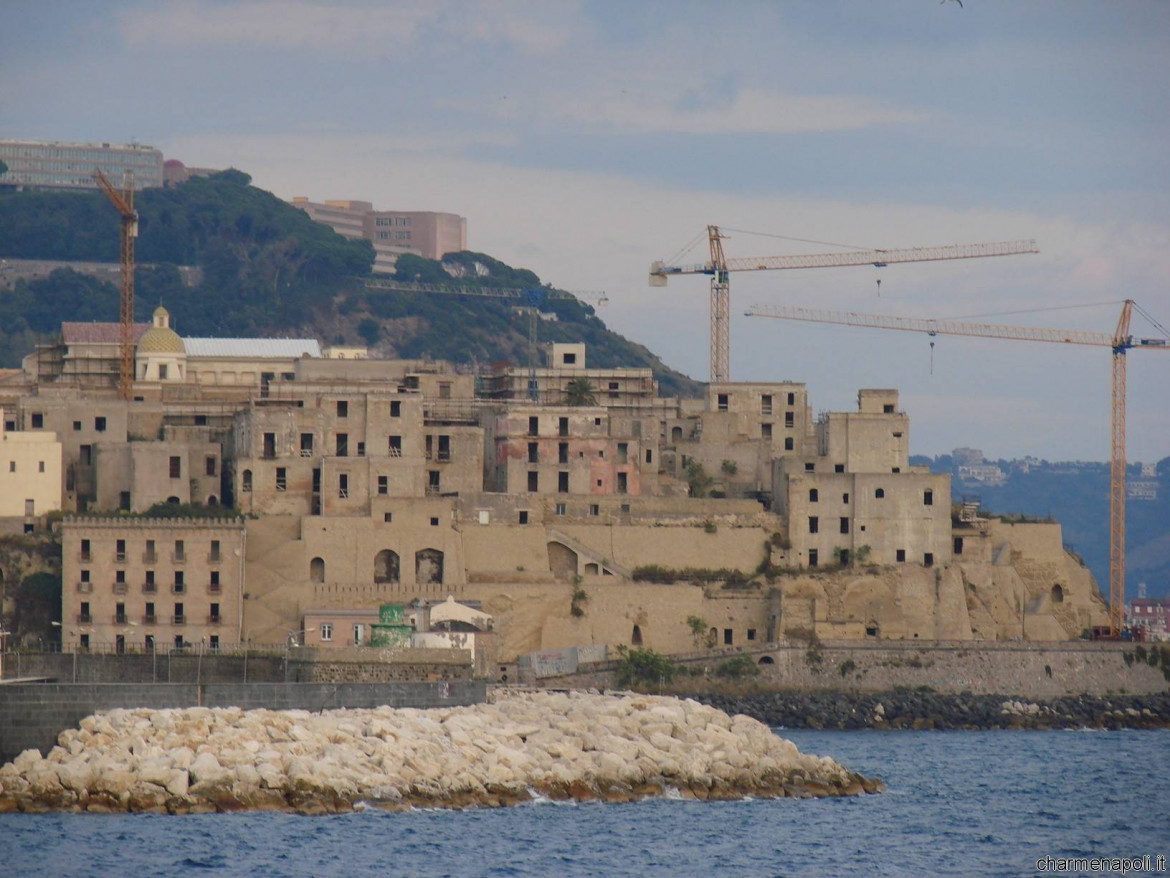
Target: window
[
  {"x": 396, "y": 446},
  {"x": 722, "y": 402},
  {"x": 562, "y": 426},
  {"x": 77, "y": 426},
  {"x": 214, "y": 581},
  {"x": 561, "y": 509},
  {"x": 149, "y": 584},
  {"x": 766, "y": 404},
  {"x": 317, "y": 570},
  {"x": 246, "y": 482},
  {"x": 533, "y": 426},
  {"x": 326, "y": 631},
  {"x": 99, "y": 424},
  {"x": 751, "y": 634},
  {"x": 120, "y": 577},
  {"x": 84, "y": 642},
  {"x": 810, "y": 467},
  {"x": 213, "y": 642},
  {"x": 838, "y": 467},
  {"x": 789, "y": 444},
  {"x": 163, "y": 372},
  {"x": 86, "y": 455},
  {"x": 444, "y": 390},
  {"x": 900, "y": 556},
  {"x": 281, "y": 479},
  {"x": 533, "y": 481},
  {"x": 958, "y": 545},
  {"x": 342, "y": 408},
  {"x": 570, "y": 359},
  {"x": 41, "y": 466},
  {"x": 887, "y": 409},
  {"x": 148, "y": 617},
  {"x": 879, "y": 493},
  {"x": 179, "y": 586},
  {"x": 269, "y": 451},
  {"x": 343, "y": 486},
  {"x": 844, "y": 525},
  {"x": 12, "y": 466},
  {"x": 792, "y": 399},
  {"x": 649, "y": 456},
  {"x": 562, "y": 452},
  {"x": 790, "y": 419},
  {"x": 434, "y": 521},
  {"x": 395, "y": 409},
  {"x": 814, "y": 524},
  {"x": 179, "y": 644},
  {"x": 180, "y": 617},
  {"x": 444, "y": 448},
  {"x": 84, "y": 615},
  {"x": 897, "y": 435},
  {"x": 85, "y": 550},
  {"x": 213, "y": 615},
  {"x": 623, "y": 485},
  {"x": 176, "y": 467},
  {"x": 844, "y": 498},
  {"x": 928, "y": 498},
  {"x": 728, "y": 637},
  {"x": 522, "y": 516},
  {"x": 928, "y": 559},
  {"x": 383, "y": 485},
  {"x": 765, "y": 431},
  {"x": 813, "y": 558},
  {"x": 813, "y": 495},
  {"x": 213, "y": 555},
  {"x": 594, "y": 509},
  {"x": 38, "y": 421},
  {"x": 180, "y": 550},
  {"x": 209, "y": 469},
  {"x": 342, "y": 445},
  {"x": 433, "y": 476},
  {"x": 562, "y": 483},
  {"x": 306, "y": 445}
]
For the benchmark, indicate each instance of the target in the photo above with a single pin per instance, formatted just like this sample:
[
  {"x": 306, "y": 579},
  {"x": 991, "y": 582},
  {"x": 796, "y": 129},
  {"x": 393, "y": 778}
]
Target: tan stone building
[
  {"x": 632, "y": 389},
  {"x": 30, "y": 475},
  {"x": 134, "y": 584}
]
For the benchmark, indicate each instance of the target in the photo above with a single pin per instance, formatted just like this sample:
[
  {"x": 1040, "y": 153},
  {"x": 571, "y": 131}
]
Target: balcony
[
  {"x": 214, "y": 557},
  {"x": 178, "y": 557},
  {"x": 306, "y": 452},
  {"x": 85, "y": 557},
  {"x": 444, "y": 456},
  {"x": 149, "y": 587},
  {"x": 120, "y": 557},
  {"x": 120, "y": 588},
  {"x": 214, "y": 588},
  {"x": 178, "y": 620},
  {"x": 119, "y": 618},
  {"x": 150, "y": 557},
  {"x": 214, "y": 619},
  {"x": 149, "y": 619},
  {"x": 84, "y": 618},
  {"x": 85, "y": 587},
  {"x": 178, "y": 588}
]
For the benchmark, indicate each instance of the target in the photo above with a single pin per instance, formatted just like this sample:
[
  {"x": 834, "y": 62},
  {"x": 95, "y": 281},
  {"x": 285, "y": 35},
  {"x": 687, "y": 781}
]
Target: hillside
[
  {"x": 268, "y": 270},
  {"x": 1077, "y": 495}
]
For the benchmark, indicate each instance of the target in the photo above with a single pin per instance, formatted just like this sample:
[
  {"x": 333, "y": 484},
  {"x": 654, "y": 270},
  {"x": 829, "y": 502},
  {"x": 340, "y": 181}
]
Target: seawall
[
  {"x": 1027, "y": 671},
  {"x": 33, "y": 715}
]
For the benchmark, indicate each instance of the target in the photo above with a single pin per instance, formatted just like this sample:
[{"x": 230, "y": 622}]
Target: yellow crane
[
  {"x": 1120, "y": 342},
  {"x": 124, "y": 203},
  {"x": 719, "y": 268}
]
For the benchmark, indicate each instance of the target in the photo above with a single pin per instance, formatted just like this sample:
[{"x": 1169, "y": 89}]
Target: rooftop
[{"x": 252, "y": 348}]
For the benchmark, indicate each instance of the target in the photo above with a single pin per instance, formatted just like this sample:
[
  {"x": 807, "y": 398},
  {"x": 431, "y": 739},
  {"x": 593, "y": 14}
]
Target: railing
[
  {"x": 84, "y": 556},
  {"x": 306, "y": 452},
  {"x": 119, "y": 618},
  {"x": 150, "y": 557},
  {"x": 214, "y": 588},
  {"x": 120, "y": 588},
  {"x": 178, "y": 557},
  {"x": 178, "y": 588},
  {"x": 149, "y": 587},
  {"x": 444, "y": 456},
  {"x": 214, "y": 619},
  {"x": 149, "y": 618},
  {"x": 178, "y": 620},
  {"x": 343, "y": 493},
  {"x": 84, "y": 618},
  {"x": 85, "y": 587},
  {"x": 120, "y": 557},
  {"x": 214, "y": 557}
]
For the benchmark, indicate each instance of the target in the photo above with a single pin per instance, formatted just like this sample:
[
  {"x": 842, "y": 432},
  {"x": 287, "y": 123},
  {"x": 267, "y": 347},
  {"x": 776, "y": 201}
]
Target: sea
[{"x": 958, "y": 803}]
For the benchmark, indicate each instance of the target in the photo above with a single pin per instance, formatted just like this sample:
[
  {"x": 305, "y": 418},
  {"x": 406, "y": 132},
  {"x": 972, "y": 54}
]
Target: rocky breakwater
[{"x": 519, "y": 746}]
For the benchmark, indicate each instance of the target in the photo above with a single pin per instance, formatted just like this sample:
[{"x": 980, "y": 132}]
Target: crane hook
[{"x": 932, "y": 356}]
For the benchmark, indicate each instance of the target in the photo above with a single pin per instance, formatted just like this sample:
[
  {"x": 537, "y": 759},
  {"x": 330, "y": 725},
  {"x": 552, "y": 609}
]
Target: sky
[{"x": 584, "y": 140}]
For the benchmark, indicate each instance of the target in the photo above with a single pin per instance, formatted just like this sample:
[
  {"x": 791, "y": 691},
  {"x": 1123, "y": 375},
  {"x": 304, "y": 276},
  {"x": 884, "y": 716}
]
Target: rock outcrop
[{"x": 522, "y": 745}]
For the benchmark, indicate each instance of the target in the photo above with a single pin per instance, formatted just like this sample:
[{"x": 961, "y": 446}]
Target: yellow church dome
[{"x": 160, "y": 338}]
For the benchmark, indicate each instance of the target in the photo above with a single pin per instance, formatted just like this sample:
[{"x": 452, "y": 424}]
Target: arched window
[
  {"x": 767, "y": 660},
  {"x": 317, "y": 570},
  {"x": 1057, "y": 594},
  {"x": 676, "y": 434},
  {"x": 428, "y": 567},
  {"x": 386, "y": 566},
  {"x": 174, "y": 501},
  {"x": 813, "y": 495},
  {"x": 212, "y": 500},
  {"x": 879, "y": 493},
  {"x": 247, "y": 482},
  {"x": 636, "y": 637}
]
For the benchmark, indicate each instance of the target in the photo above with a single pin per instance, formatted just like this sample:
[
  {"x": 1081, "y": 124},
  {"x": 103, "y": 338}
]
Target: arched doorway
[
  {"x": 317, "y": 570},
  {"x": 676, "y": 435},
  {"x": 636, "y": 637},
  {"x": 1057, "y": 594},
  {"x": 428, "y": 567},
  {"x": 386, "y": 566}
]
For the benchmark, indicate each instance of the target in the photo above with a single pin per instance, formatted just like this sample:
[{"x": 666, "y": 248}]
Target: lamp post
[{"x": 3, "y": 634}]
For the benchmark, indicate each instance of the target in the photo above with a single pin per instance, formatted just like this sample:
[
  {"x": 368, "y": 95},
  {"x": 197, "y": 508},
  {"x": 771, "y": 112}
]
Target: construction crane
[
  {"x": 719, "y": 268},
  {"x": 124, "y": 203},
  {"x": 1120, "y": 342}
]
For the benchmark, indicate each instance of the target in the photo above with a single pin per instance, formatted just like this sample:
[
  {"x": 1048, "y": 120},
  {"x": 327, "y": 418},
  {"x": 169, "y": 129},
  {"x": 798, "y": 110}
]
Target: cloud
[{"x": 380, "y": 29}]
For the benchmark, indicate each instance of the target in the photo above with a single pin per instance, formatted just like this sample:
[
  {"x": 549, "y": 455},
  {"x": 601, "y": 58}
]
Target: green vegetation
[
  {"x": 579, "y": 599},
  {"x": 579, "y": 392},
  {"x": 697, "y": 478},
  {"x": 643, "y": 667},
  {"x": 267, "y": 269},
  {"x": 700, "y": 632},
  {"x": 847, "y": 667},
  {"x": 729, "y": 467},
  {"x": 736, "y": 668},
  {"x": 171, "y": 510}
]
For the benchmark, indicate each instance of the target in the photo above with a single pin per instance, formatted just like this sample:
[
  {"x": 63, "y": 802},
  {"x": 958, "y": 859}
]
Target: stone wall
[
  {"x": 316, "y": 666},
  {"x": 32, "y": 715},
  {"x": 1039, "y": 671}
]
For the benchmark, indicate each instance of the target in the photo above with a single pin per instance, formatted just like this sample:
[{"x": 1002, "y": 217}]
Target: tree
[
  {"x": 369, "y": 329},
  {"x": 698, "y": 626},
  {"x": 3, "y": 169},
  {"x": 579, "y": 392}
]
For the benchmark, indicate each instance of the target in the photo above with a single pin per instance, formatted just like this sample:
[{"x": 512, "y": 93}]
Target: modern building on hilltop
[
  {"x": 61, "y": 165},
  {"x": 392, "y": 232}
]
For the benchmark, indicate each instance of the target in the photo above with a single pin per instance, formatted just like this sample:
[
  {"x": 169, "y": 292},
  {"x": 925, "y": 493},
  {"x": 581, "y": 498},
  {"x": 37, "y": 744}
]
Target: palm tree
[{"x": 580, "y": 392}]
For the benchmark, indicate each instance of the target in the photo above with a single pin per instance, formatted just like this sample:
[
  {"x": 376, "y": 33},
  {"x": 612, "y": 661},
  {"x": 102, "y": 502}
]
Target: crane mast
[
  {"x": 719, "y": 267},
  {"x": 1120, "y": 341},
  {"x": 124, "y": 203}
]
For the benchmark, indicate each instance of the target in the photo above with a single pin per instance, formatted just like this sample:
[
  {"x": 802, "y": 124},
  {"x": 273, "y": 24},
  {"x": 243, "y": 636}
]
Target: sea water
[{"x": 958, "y": 803}]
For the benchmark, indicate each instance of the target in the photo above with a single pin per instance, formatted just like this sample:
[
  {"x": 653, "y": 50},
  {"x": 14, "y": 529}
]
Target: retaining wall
[
  {"x": 32, "y": 715},
  {"x": 1035, "y": 671}
]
